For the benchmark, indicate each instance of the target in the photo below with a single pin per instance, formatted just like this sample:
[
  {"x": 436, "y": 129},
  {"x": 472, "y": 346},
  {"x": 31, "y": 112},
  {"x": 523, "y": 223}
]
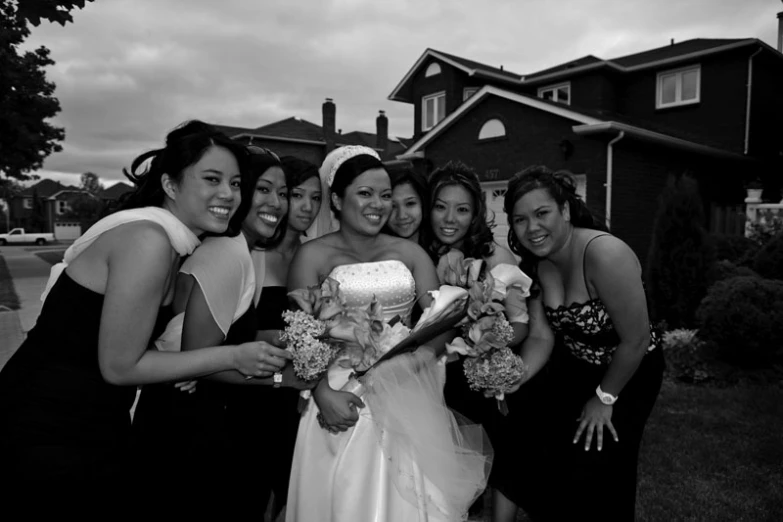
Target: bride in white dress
[{"x": 368, "y": 462}]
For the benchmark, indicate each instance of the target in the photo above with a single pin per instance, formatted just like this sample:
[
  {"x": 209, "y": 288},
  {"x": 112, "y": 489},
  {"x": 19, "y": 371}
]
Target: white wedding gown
[{"x": 368, "y": 473}]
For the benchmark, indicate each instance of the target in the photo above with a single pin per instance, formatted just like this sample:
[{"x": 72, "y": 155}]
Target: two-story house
[
  {"x": 710, "y": 107},
  {"x": 309, "y": 141}
]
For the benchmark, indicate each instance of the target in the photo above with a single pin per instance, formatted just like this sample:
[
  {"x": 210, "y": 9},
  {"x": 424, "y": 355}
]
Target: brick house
[
  {"x": 53, "y": 206},
  {"x": 309, "y": 141},
  {"x": 710, "y": 107}
]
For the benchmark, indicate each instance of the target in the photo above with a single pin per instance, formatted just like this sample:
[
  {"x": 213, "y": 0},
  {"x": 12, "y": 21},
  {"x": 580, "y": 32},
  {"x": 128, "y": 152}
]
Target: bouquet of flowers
[
  {"x": 305, "y": 336},
  {"x": 490, "y": 364}
]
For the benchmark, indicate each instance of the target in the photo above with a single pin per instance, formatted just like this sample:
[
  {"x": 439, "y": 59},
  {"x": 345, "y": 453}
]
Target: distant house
[
  {"x": 113, "y": 193},
  {"x": 309, "y": 141},
  {"x": 39, "y": 207},
  {"x": 711, "y": 107}
]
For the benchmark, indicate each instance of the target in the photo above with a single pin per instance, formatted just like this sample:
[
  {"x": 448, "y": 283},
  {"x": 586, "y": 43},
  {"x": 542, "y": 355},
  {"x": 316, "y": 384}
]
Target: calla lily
[
  {"x": 506, "y": 275},
  {"x": 458, "y": 345},
  {"x": 446, "y": 301}
]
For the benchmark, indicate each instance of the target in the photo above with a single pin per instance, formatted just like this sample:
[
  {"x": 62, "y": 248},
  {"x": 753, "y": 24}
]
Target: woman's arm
[
  {"x": 139, "y": 263},
  {"x": 615, "y": 274},
  {"x": 200, "y": 330},
  {"x": 500, "y": 256}
]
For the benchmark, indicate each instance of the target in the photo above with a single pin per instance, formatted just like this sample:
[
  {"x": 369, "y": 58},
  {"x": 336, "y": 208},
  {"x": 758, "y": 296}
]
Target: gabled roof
[
  {"x": 674, "y": 50},
  {"x": 586, "y": 122},
  {"x": 115, "y": 191},
  {"x": 44, "y": 188},
  {"x": 662, "y": 56},
  {"x": 470, "y": 67},
  {"x": 579, "y": 62}
]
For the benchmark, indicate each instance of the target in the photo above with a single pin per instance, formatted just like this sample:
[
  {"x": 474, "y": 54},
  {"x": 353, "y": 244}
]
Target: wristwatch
[
  {"x": 606, "y": 398},
  {"x": 277, "y": 379}
]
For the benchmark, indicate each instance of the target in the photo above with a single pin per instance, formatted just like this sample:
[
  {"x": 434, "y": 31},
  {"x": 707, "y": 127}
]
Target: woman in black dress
[
  {"x": 270, "y": 416},
  {"x": 65, "y": 395},
  {"x": 607, "y": 365}
]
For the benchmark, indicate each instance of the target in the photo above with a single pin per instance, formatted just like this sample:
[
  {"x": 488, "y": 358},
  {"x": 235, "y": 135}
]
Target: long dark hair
[
  {"x": 350, "y": 170},
  {"x": 185, "y": 146},
  {"x": 560, "y": 185},
  {"x": 259, "y": 161},
  {"x": 479, "y": 241},
  {"x": 297, "y": 170},
  {"x": 422, "y": 189}
]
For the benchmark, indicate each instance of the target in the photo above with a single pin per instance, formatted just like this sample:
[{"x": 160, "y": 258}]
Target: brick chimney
[
  {"x": 382, "y": 131},
  {"x": 780, "y": 32},
  {"x": 329, "y": 110}
]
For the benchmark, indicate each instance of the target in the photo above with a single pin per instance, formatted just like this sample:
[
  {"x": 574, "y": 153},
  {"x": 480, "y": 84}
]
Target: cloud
[{"x": 128, "y": 71}]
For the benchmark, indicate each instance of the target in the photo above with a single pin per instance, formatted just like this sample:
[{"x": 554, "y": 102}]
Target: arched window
[
  {"x": 432, "y": 70},
  {"x": 492, "y": 129}
]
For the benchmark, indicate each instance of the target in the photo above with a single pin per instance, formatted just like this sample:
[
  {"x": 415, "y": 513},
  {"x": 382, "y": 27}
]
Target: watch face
[{"x": 607, "y": 400}]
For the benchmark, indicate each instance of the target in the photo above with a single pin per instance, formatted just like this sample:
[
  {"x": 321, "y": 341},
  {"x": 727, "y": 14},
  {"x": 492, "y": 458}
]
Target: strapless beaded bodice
[{"x": 389, "y": 281}]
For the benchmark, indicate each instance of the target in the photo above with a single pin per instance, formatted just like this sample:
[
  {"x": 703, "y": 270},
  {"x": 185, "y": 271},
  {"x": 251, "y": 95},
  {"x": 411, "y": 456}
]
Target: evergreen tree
[{"x": 681, "y": 261}]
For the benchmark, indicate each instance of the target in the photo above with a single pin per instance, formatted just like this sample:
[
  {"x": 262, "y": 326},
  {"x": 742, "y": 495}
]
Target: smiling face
[
  {"x": 452, "y": 214},
  {"x": 366, "y": 204},
  {"x": 539, "y": 223},
  {"x": 270, "y": 204},
  {"x": 406, "y": 215},
  {"x": 304, "y": 204},
  {"x": 207, "y": 194}
]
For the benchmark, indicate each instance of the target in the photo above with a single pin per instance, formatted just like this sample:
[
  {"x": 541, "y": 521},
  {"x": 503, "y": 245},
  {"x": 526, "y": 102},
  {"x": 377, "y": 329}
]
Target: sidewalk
[{"x": 27, "y": 271}]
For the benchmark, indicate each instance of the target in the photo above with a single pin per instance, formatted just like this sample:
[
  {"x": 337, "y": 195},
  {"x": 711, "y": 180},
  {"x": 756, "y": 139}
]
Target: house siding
[
  {"x": 766, "y": 131},
  {"x": 532, "y": 138},
  {"x": 719, "y": 117}
]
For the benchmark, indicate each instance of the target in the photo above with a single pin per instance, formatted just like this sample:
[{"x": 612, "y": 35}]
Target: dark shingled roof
[
  {"x": 480, "y": 66},
  {"x": 672, "y": 51},
  {"x": 116, "y": 190},
  {"x": 45, "y": 188},
  {"x": 585, "y": 60}
]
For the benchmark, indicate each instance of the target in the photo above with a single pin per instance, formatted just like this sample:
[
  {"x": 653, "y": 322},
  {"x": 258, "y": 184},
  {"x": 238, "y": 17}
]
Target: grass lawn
[
  {"x": 710, "y": 454},
  {"x": 8, "y": 297},
  {"x": 51, "y": 257},
  {"x": 713, "y": 454}
]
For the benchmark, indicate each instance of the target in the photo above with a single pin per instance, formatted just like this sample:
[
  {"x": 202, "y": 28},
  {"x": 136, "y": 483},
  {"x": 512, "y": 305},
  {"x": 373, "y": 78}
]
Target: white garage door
[{"x": 67, "y": 231}]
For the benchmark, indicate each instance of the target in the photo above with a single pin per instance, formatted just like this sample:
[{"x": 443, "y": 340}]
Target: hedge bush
[
  {"x": 742, "y": 318},
  {"x": 733, "y": 248},
  {"x": 725, "y": 269},
  {"x": 769, "y": 260}
]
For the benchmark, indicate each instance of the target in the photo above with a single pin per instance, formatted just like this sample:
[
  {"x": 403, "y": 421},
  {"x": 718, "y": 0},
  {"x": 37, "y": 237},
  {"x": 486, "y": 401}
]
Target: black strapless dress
[
  {"x": 61, "y": 423},
  {"x": 266, "y": 418},
  {"x": 183, "y": 436}
]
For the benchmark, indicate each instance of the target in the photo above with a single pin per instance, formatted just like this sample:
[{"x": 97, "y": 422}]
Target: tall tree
[
  {"x": 27, "y": 99},
  {"x": 91, "y": 183}
]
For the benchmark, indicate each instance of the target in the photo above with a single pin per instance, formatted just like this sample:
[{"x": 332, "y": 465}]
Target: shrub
[
  {"x": 769, "y": 260},
  {"x": 726, "y": 270},
  {"x": 683, "y": 356},
  {"x": 742, "y": 318},
  {"x": 682, "y": 257},
  {"x": 765, "y": 229},
  {"x": 733, "y": 248}
]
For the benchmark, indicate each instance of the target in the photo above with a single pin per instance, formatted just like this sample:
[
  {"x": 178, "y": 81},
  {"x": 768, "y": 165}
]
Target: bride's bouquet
[{"x": 490, "y": 365}]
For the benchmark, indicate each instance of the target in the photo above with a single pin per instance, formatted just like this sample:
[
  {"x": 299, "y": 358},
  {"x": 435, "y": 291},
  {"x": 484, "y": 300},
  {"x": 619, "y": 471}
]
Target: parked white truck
[{"x": 18, "y": 235}]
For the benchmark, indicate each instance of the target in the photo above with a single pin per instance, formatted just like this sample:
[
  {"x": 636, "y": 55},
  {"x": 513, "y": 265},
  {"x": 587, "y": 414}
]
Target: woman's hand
[
  {"x": 259, "y": 359},
  {"x": 270, "y": 336},
  {"x": 595, "y": 417},
  {"x": 290, "y": 380},
  {"x": 338, "y": 408}
]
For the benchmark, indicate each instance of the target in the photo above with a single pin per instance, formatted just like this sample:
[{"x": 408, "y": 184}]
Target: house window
[
  {"x": 433, "y": 110},
  {"x": 492, "y": 129},
  {"x": 467, "y": 92},
  {"x": 27, "y": 203},
  {"x": 62, "y": 207},
  {"x": 560, "y": 93},
  {"x": 432, "y": 70},
  {"x": 678, "y": 87}
]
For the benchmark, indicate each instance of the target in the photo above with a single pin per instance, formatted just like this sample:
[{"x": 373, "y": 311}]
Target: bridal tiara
[{"x": 339, "y": 156}]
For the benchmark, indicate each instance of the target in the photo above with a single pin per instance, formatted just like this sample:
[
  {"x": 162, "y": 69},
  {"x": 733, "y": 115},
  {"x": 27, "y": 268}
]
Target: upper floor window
[
  {"x": 492, "y": 129},
  {"x": 433, "y": 109},
  {"x": 560, "y": 93},
  {"x": 432, "y": 70},
  {"x": 27, "y": 203},
  {"x": 678, "y": 87},
  {"x": 62, "y": 207},
  {"x": 467, "y": 92}
]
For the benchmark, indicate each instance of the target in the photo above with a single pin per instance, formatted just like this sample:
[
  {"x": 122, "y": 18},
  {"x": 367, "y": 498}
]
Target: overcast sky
[{"x": 128, "y": 71}]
